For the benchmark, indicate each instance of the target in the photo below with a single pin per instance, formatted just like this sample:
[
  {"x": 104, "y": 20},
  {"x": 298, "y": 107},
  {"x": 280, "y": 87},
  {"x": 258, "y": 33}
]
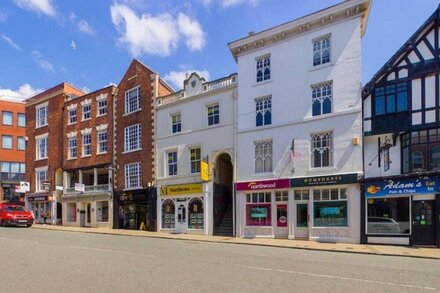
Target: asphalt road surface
[{"x": 34, "y": 260}]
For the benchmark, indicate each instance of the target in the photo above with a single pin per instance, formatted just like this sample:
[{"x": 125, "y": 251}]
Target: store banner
[
  {"x": 261, "y": 185},
  {"x": 325, "y": 180},
  {"x": 181, "y": 189},
  {"x": 402, "y": 187}
]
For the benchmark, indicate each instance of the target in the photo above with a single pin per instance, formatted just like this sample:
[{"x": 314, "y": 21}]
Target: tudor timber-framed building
[{"x": 401, "y": 120}]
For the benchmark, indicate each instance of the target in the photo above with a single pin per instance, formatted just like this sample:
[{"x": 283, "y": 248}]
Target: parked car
[
  {"x": 383, "y": 225},
  {"x": 15, "y": 215}
]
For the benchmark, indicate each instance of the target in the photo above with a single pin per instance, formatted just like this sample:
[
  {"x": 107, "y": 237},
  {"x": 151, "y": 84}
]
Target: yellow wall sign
[
  {"x": 204, "y": 171},
  {"x": 181, "y": 189}
]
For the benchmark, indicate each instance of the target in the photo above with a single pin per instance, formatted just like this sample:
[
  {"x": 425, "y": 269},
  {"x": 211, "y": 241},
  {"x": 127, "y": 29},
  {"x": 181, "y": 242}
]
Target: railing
[
  {"x": 220, "y": 83},
  {"x": 89, "y": 189},
  {"x": 207, "y": 86}
]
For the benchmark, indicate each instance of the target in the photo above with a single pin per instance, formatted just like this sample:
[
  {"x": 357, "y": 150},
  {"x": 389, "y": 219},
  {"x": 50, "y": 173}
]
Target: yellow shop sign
[{"x": 181, "y": 189}]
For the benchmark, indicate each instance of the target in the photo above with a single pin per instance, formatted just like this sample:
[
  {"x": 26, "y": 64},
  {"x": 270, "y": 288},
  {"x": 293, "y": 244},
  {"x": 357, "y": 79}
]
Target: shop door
[
  {"x": 181, "y": 221},
  {"x": 281, "y": 213},
  {"x": 302, "y": 220},
  {"x": 423, "y": 222},
  {"x": 88, "y": 214}
]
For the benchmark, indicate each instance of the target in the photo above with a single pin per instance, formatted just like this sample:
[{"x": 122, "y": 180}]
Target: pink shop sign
[{"x": 261, "y": 185}]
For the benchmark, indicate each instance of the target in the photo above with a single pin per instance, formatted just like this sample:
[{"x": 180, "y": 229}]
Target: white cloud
[
  {"x": 24, "y": 91},
  {"x": 194, "y": 35},
  {"x": 85, "y": 27},
  {"x": 10, "y": 42},
  {"x": 155, "y": 34},
  {"x": 178, "y": 77},
  {"x": 42, "y": 62},
  {"x": 39, "y": 6}
]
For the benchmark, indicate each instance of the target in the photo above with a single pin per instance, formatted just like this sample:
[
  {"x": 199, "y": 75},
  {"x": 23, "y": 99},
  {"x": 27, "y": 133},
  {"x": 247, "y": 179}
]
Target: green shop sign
[{"x": 324, "y": 180}]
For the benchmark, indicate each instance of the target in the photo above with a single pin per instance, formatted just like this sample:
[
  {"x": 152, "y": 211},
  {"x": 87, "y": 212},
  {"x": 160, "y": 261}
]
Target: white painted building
[
  {"x": 299, "y": 127},
  {"x": 401, "y": 117},
  {"x": 196, "y": 124}
]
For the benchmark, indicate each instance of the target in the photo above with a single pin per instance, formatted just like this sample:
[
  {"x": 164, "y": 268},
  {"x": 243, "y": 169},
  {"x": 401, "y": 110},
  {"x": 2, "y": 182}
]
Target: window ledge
[
  {"x": 132, "y": 188},
  {"x": 318, "y": 67},
  {"x": 41, "y": 126},
  {"x": 263, "y": 82},
  {"x": 82, "y": 120},
  {"x": 129, "y": 113},
  {"x": 103, "y": 153},
  {"x": 41, "y": 159},
  {"x": 86, "y": 156},
  {"x": 322, "y": 169},
  {"x": 131, "y": 151},
  {"x": 70, "y": 159},
  {"x": 102, "y": 115},
  {"x": 68, "y": 124}
]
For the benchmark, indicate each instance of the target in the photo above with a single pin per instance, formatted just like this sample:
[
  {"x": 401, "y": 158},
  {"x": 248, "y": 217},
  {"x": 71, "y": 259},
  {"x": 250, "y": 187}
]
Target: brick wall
[{"x": 13, "y": 155}]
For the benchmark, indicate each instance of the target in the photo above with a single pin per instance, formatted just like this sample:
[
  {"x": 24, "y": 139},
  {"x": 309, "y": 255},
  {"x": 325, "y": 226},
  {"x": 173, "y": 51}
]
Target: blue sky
[{"x": 90, "y": 43}]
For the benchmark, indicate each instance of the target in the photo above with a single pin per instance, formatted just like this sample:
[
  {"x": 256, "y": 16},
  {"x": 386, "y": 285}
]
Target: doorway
[
  {"x": 222, "y": 204},
  {"x": 181, "y": 221},
  {"x": 88, "y": 214},
  {"x": 423, "y": 229},
  {"x": 302, "y": 220}
]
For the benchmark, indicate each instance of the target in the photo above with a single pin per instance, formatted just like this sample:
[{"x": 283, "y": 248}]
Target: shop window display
[
  {"x": 330, "y": 207},
  {"x": 195, "y": 210},
  {"x": 258, "y": 209},
  {"x": 168, "y": 214},
  {"x": 388, "y": 215}
]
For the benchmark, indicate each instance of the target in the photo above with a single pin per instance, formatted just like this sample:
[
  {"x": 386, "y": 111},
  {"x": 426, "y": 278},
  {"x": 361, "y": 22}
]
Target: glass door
[
  {"x": 424, "y": 222},
  {"x": 302, "y": 220},
  {"x": 88, "y": 214},
  {"x": 181, "y": 221}
]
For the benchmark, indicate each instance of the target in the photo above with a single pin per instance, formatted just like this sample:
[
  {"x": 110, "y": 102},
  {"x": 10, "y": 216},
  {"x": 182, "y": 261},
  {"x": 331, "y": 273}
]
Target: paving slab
[{"x": 388, "y": 250}]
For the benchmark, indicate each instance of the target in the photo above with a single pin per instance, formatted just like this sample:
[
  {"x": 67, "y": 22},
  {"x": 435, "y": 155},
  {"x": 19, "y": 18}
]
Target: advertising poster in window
[
  {"x": 281, "y": 215},
  {"x": 258, "y": 215}
]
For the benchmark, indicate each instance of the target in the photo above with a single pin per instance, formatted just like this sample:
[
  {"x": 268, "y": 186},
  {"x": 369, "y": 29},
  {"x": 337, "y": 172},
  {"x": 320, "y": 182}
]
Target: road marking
[
  {"x": 336, "y": 277},
  {"x": 111, "y": 251}
]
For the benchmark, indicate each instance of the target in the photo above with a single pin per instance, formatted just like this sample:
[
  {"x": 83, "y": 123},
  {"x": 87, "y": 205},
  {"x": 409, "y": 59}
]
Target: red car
[{"x": 15, "y": 215}]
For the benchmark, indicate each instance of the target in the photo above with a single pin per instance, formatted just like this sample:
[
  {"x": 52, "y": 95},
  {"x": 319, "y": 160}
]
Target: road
[{"x": 34, "y": 260}]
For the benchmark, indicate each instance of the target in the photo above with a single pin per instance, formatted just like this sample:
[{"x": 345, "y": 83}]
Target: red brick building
[
  {"x": 44, "y": 151},
  {"x": 87, "y": 159},
  {"x": 135, "y": 201},
  {"x": 12, "y": 148}
]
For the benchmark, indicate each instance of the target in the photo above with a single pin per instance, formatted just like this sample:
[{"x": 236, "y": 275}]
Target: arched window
[
  {"x": 417, "y": 161},
  {"x": 168, "y": 214},
  {"x": 195, "y": 211}
]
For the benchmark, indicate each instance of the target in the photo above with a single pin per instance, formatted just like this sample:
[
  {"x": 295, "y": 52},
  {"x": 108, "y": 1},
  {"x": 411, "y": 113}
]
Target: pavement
[{"x": 385, "y": 250}]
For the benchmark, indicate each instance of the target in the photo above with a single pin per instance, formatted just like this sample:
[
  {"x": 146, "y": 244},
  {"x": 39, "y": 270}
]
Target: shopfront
[
  {"x": 325, "y": 208},
  {"x": 8, "y": 193},
  {"x": 263, "y": 208},
  {"x": 402, "y": 211},
  {"x": 182, "y": 209},
  {"x": 87, "y": 211},
  {"x": 42, "y": 207},
  {"x": 136, "y": 210}
]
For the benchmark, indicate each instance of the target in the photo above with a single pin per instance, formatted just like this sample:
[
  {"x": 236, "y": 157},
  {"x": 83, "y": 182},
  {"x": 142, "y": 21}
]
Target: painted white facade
[
  {"x": 290, "y": 47},
  {"x": 214, "y": 140}
]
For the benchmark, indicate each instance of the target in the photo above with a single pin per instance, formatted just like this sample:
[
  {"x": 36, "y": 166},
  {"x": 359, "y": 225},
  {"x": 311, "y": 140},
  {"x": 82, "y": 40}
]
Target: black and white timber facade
[{"x": 400, "y": 202}]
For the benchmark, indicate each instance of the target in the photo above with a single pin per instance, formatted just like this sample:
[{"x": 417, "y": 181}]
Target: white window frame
[
  {"x": 71, "y": 120},
  {"x": 132, "y": 175},
  {"x": 41, "y": 113},
  {"x": 321, "y": 92},
  {"x": 132, "y": 104},
  {"x": 171, "y": 163},
  {"x": 38, "y": 145},
  {"x": 101, "y": 105},
  {"x": 320, "y": 50},
  {"x": 86, "y": 140},
  {"x": 321, "y": 149},
  {"x": 72, "y": 145},
  {"x": 264, "y": 59},
  {"x": 133, "y": 138},
  {"x": 84, "y": 112},
  {"x": 179, "y": 122},
  {"x": 265, "y": 154},
  {"x": 196, "y": 160},
  {"x": 39, "y": 179},
  {"x": 212, "y": 115},
  {"x": 101, "y": 142}
]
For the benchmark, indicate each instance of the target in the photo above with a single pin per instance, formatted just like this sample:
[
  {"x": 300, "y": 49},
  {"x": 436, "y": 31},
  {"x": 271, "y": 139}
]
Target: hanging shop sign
[
  {"x": 80, "y": 187},
  {"x": 324, "y": 180},
  {"x": 402, "y": 187},
  {"x": 204, "y": 171},
  {"x": 261, "y": 185},
  {"x": 181, "y": 189}
]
